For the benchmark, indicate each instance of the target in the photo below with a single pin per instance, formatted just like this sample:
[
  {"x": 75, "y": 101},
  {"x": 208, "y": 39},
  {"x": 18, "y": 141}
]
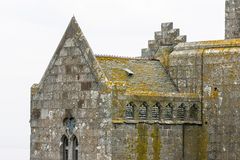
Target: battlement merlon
[{"x": 168, "y": 37}]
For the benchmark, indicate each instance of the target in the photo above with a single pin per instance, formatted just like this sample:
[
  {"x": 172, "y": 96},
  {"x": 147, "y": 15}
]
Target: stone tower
[{"x": 232, "y": 19}]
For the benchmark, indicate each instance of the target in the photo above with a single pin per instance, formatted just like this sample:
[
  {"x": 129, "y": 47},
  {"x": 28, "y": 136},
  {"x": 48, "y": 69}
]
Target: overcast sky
[{"x": 30, "y": 31}]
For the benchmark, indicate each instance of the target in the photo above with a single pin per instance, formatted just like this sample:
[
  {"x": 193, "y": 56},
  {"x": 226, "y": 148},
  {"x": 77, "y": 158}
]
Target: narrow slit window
[
  {"x": 156, "y": 111},
  {"x": 143, "y": 111},
  {"x": 129, "y": 112},
  {"x": 168, "y": 112},
  {"x": 193, "y": 112},
  {"x": 181, "y": 112},
  {"x": 64, "y": 148},
  {"x": 75, "y": 148}
]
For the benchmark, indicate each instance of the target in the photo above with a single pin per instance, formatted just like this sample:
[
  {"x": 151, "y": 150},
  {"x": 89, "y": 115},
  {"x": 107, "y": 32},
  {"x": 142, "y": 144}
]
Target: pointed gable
[{"x": 72, "y": 52}]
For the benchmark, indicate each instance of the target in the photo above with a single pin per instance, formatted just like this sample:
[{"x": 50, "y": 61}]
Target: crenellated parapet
[{"x": 165, "y": 39}]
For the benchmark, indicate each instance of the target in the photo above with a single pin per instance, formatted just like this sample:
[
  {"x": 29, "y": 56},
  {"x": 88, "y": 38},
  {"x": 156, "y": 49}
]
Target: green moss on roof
[{"x": 149, "y": 75}]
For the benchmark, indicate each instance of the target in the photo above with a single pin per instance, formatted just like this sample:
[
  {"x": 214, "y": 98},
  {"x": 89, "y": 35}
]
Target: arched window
[
  {"x": 129, "y": 112},
  {"x": 156, "y": 111},
  {"x": 181, "y": 112},
  {"x": 168, "y": 112},
  {"x": 64, "y": 148},
  {"x": 69, "y": 148},
  {"x": 75, "y": 148},
  {"x": 193, "y": 112},
  {"x": 143, "y": 111}
]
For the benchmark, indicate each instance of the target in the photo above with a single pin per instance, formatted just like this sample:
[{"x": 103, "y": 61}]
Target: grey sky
[{"x": 31, "y": 30}]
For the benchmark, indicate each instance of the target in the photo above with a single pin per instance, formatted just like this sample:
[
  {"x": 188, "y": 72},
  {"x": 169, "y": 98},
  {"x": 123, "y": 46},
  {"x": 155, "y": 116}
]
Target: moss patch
[
  {"x": 156, "y": 142},
  {"x": 142, "y": 141},
  {"x": 203, "y": 143}
]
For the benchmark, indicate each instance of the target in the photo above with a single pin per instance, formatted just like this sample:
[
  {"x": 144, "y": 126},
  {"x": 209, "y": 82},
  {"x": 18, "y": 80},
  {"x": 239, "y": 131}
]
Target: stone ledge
[
  {"x": 168, "y": 122},
  {"x": 208, "y": 44}
]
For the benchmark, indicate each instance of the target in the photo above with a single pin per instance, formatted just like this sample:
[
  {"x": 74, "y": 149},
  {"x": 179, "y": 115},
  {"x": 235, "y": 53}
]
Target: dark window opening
[
  {"x": 64, "y": 148},
  {"x": 181, "y": 112},
  {"x": 156, "y": 111},
  {"x": 69, "y": 146},
  {"x": 193, "y": 113},
  {"x": 169, "y": 112},
  {"x": 75, "y": 148},
  {"x": 143, "y": 111},
  {"x": 129, "y": 113}
]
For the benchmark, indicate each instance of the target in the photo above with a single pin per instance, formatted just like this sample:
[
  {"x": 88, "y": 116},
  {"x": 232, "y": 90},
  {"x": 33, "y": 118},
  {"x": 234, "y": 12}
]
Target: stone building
[{"x": 178, "y": 101}]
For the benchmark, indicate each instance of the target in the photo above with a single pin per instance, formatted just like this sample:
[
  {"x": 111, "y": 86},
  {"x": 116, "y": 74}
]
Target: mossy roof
[{"x": 148, "y": 75}]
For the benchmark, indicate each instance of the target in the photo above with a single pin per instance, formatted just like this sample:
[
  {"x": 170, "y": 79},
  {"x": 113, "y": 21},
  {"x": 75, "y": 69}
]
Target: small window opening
[
  {"x": 143, "y": 111},
  {"x": 129, "y": 113},
  {"x": 181, "y": 112},
  {"x": 156, "y": 111},
  {"x": 75, "y": 148},
  {"x": 64, "y": 148},
  {"x": 193, "y": 113},
  {"x": 169, "y": 112}
]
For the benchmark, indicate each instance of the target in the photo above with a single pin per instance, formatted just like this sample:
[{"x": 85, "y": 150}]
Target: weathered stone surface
[
  {"x": 211, "y": 69},
  {"x": 167, "y": 37},
  {"x": 68, "y": 90},
  {"x": 232, "y": 19},
  {"x": 180, "y": 102}
]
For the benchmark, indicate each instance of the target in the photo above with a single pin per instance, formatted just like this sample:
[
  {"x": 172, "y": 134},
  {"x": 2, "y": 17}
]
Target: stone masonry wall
[
  {"x": 152, "y": 137},
  {"x": 70, "y": 89},
  {"x": 232, "y": 19},
  {"x": 144, "y": 141},
  {"x": 212, "y": 70}
]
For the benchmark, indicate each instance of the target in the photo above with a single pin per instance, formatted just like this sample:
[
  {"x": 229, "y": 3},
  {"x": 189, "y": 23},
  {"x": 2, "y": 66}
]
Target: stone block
[{"x": 166, "y": 26}]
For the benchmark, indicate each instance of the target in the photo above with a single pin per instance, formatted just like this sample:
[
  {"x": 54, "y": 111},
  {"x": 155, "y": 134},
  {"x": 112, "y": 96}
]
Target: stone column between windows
[{"x": 70, "y": 149}]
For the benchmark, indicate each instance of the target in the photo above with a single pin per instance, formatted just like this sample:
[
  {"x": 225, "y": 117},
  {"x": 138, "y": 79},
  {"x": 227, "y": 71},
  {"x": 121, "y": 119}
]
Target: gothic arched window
[
  {"x": 193, "y": 112},
  {"x": 75, "y": 148},
  {"x": 156, "y": 111},
  {"x": 64, "y": 152},
  {"x": 143, "y": 111},
  {"x": 181, "y": 112},
  {"x": 129, "y": 112},
  {"x": 168, "y": 112}
]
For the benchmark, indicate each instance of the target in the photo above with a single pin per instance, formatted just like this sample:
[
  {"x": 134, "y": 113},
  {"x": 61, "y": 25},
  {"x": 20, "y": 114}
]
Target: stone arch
[
  {"x": 129, "y": 110},
  {"x": 193, "y": 112},
  {"x": 75, "y": 148},
  {"x": 156, "y": 111},
  {"x": 143, "y": 111},
  {"x": 64, "y": 148},
  {"x": 181, "y": 112},
  {"x": 168, "y": 112}
]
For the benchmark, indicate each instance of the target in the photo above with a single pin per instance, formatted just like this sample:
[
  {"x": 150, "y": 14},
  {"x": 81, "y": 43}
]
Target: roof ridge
[{"x": 126, "y": 57}]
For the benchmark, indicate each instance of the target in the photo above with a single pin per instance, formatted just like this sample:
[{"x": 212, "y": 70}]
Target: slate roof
[{"x": 148, "y": 75}]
